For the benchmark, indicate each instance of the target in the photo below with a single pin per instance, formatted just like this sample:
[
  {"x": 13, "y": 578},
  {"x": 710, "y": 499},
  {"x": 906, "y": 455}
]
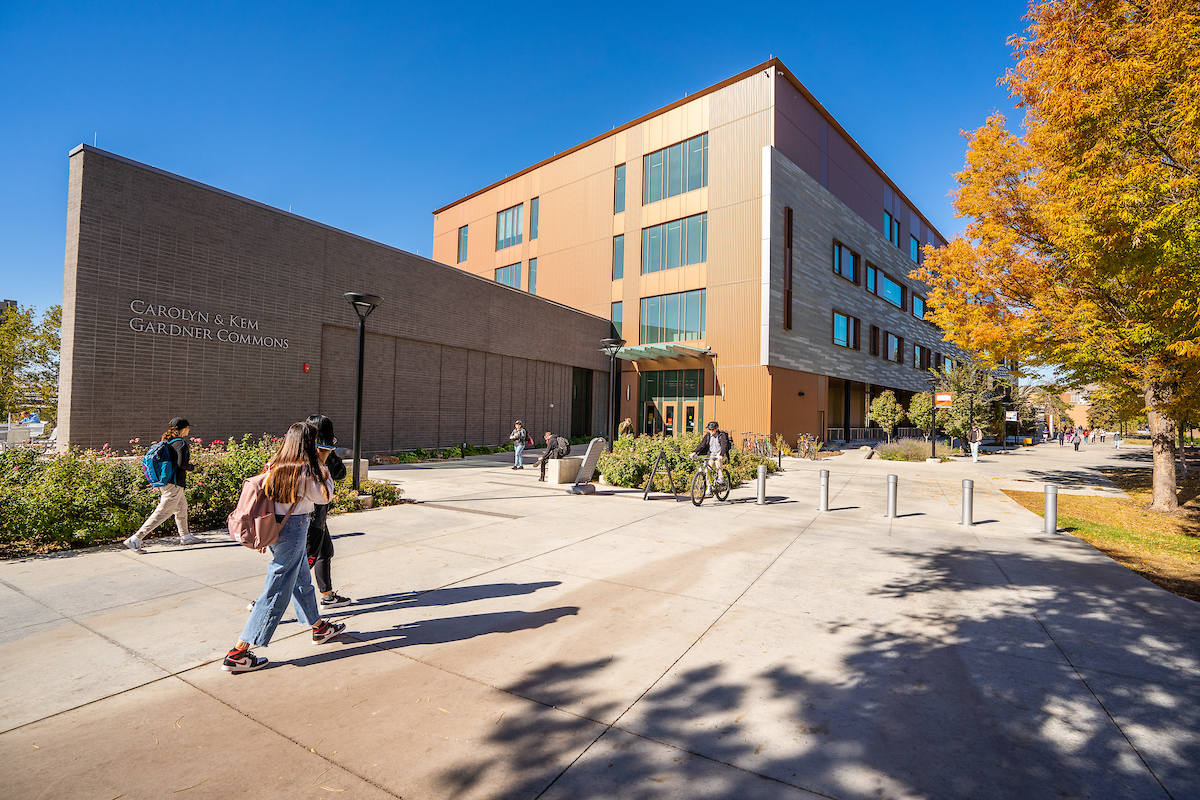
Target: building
[
  {"x": 753, "y": 256},
  {"x": 184, "y": 300}
]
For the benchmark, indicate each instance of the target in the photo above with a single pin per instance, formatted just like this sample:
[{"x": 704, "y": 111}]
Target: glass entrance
[{"x": 669, "y": 396}]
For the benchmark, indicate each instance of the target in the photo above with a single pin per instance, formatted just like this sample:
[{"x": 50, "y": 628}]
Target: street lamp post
[
  {"x": 612, "y": 347},
  {"x": 363, "y": 305},
  {"x": 932, "y": 380}
]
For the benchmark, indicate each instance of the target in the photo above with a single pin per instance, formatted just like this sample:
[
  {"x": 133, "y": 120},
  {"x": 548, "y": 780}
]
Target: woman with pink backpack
[{"x": 296, "y": 481}]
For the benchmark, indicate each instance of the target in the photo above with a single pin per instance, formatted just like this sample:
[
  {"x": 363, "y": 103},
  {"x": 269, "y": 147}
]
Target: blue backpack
[{"x": 159, "y": 463}]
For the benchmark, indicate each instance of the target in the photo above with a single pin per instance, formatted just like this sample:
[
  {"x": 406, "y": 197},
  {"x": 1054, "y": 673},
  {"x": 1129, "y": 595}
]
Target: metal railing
[
  {"x": 911, "y": 433},
  {"x": 834, "y": 435},
  {"x": 868, "y": 434}
]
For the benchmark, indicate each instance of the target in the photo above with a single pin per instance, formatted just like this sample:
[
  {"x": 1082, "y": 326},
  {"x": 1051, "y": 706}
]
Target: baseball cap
[
  {"x": 712, "y": 424},
  {"x": 178, "y": 422}
]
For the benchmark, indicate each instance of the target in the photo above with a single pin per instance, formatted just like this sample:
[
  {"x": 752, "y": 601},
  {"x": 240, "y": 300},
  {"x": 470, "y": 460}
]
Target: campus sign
[
  {"x": 943, "y": 400},
  {"x": 161, "y": 320}
]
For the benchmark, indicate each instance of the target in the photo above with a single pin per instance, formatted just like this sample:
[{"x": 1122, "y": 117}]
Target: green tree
[
  {"x": 887, "y": 412},
  {"x": 29, "y": 361},
  {"x": 972, "y": 388},
  {"x": 920, "y": 411}
]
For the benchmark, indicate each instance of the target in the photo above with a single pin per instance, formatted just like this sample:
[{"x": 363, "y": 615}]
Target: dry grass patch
[{"x": 1163, "y": 548}]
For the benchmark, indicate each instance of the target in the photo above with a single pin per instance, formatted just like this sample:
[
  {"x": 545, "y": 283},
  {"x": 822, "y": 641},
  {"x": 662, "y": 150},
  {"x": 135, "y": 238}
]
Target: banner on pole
[
  {"x": 943, "y": 400},
  {"x": 1010, "y": 416}
]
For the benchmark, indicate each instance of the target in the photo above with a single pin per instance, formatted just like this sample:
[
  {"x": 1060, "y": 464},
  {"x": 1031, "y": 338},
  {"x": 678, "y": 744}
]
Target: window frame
[
  {"x": 619, "y": 189},
  {"x": 682, "y": 228},
  {"x": 787, "y": 268},
  {"x": 874, "y": 342},
  {"x": 516, "y": 227},
  {"x": 853, "y": 329},
  {"x": 891, "y": 228},
  {"x": 618, "y": 265},
  {"x": 517, "y": 284},
  {"x": 533, "y": 218},
  {"x": 913, "y": 310},
  {"x": 914, "y": 249},
  {"x": 856, "y": 262},
  {"x": 463, "y": 243},
  {"x": 659, "y": 188},
  {"x": 533, "y": 276},
  {"x": 616, "y": 317}
]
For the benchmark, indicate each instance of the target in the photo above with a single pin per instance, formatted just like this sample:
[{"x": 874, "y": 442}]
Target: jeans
[
  {"x": 517, "y": 450},
  {"x": 287, "y": 578},
  {"x": 974, "y": 451}
]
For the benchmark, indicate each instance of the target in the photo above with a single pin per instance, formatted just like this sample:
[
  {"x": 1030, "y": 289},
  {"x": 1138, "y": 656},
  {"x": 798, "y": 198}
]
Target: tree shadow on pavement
[{"x": 971, "y": 674}]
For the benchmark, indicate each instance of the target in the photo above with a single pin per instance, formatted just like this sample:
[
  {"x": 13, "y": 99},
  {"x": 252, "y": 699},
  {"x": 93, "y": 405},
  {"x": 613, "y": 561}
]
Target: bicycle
[
  {"x": 706, "y": 479},
  {"x": 807, "y": 445}
]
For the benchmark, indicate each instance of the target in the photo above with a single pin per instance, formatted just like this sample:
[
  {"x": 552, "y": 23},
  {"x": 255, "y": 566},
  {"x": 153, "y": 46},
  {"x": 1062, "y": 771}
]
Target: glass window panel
[
  {"x": 653, "y": 311},
  {"x": 674, "y": 244},
  {"x": 616, "y": 318},
  {"x": 656, "y": 176},
  {"x": 914, "y": 248},
  {"x": 702, "y": 302},
  {"x": 516, "y": 276},
  {"x": 704, "y": 180},
  {"x": 870, "y": 278},
  {"x": 533, "y": 218},
  {"x": 533, "y": 276},
  {"x": 695, "y": 163},
  {"x": 891, "y": 291},
  {"x": 671, "y": 318},
  {"x": 652, "y": 246},
  {"x": 653, "y": 385},
  {"x": 918, "y": 307},
  {"x": 618, "y": 257},
  {"x": 519, "y": 225},
  {"x": 675, "y": 170},
  {"x": 462, "y": 244},
  {"x": 691, "y": 384},
  {"x": 670, "y": 384},
  {"x": 644, "y": 322},
  {"x": 692, "y": 316},
  {"x": 841, "y": 330},
  {"x": 694, "y": 230},
  {"x": 704, "y": 238},
  {"x": 619, "y": 190}
]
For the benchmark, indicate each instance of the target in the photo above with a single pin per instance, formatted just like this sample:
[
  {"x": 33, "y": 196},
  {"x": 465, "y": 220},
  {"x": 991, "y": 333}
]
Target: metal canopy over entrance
[{"x": 651, "y": 352}]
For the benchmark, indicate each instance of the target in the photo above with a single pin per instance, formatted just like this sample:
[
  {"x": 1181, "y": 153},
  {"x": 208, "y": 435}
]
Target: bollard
[
  {"x": 463, "y": 453},
  {"x": 891, "y": 508},
  {"x": 968, "y": 502},
  {"x": 1051, "y": 508},
  {"x": 824, "y": 491},
  {"x": 762, "y": 484}
]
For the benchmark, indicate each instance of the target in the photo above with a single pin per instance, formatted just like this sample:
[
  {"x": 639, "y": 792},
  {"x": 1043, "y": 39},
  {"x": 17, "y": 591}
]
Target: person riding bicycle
[{"x": 715, "y": 445}]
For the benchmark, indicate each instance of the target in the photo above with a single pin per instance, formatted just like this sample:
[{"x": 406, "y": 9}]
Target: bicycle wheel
[
  {"x": 699, "y": 487},
  {"x": 721, "y": 489}
]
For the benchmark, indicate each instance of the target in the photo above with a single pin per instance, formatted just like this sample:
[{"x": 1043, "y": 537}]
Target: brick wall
[{"x": 248, "y": 294}]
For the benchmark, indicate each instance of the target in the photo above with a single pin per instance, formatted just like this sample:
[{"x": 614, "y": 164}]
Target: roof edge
[{"x": 773, "y": 62}]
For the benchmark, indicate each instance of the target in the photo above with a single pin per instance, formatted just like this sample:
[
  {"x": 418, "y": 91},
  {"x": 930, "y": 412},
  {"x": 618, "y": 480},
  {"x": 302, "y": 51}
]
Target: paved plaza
[{"x": 511, "y": 641}]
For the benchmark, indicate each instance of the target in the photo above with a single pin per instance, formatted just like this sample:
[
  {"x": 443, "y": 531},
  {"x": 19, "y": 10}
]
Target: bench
[{"x": 563, "y": 470}]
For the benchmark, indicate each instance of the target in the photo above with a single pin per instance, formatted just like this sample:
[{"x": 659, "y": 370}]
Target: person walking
[
  {"x": 1076, "y": 438},
  {"x": 297, "y": 481},
  {"x": 1062, "y": 437},
  {"x": 1103, "y": 435},
  {"x": 556, "y": 447},
  {"x": 320, "y": 544},
  {"x": 521, "y": 439},
  {"x": 1117, "y": 440},
  {"x": 974, "y": 436},
  {"x": 172, "y": 499}
]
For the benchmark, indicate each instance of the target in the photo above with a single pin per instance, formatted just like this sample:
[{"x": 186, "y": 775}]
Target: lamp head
[
  {"x": 363, "y": 304},
  {"x": 611, "y": 346}
]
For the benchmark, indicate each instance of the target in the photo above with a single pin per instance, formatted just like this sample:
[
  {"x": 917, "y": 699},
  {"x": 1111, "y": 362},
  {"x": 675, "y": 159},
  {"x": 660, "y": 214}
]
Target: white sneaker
[
  {"x": 250, "y": 605},
  {"x": 134, "y": 544},
  {"x": 189, "y": 539}
]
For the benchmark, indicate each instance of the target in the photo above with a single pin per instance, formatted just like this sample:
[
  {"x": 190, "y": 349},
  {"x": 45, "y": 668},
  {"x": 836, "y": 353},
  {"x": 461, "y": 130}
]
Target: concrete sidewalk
[{"x": 509, "y": 640}]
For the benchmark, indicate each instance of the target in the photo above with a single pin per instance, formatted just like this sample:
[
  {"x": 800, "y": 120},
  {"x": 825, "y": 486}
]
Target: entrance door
[
  {"x": 689, "y": 418},
  {"x": 650, "y": 418},
  {"x": 669, "y": 425},
  {"x": 581, "y": 402}
]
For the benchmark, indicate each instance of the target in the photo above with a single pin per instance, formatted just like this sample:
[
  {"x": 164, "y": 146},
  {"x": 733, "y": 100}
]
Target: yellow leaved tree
[{"x": 1083, "y": 252}]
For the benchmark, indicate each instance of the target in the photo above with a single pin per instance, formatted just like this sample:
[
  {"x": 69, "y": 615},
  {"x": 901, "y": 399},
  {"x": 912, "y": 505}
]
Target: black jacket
[
  {"x": 181, "y": 457},
  {"x": 337, "y": 470},
  {"x": 706, "y": 444},
  {"x": 557, "y": 448}
]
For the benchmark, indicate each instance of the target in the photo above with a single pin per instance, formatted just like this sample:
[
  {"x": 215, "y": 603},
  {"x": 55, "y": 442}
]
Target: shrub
[
  {"x": 85, "y": 497},
  {"x": 912, "y": 450},
  {"x": 633, "y": 457}
]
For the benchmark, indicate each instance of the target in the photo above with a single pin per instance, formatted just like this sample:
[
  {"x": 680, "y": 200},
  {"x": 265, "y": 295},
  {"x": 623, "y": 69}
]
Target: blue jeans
[
  {"x": 287, "y": 578},
  {"x": 518, "y": 449}
]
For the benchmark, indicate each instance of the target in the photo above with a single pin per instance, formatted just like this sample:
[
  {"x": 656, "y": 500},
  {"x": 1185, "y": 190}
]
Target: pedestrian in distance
[
  {"x": 173, "y": 453},
  {"x": 521, "y": 438},
  {"x": 1062, "y": 437},
  {"x": 556, "y": 447},
  {"x": 297, "y": 481},
  {"x": 1117, "y": 440},
  {"x": 320, "y": 544},
  {"x": 1076, "y": 438},
  {"x": 625, "y": 428},
  {"x": 1103, "y": 435},
  {"x": 974, "y": 436}
]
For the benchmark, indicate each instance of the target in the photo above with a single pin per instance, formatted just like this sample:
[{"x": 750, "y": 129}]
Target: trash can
[{"x": 1028, "y": 440}]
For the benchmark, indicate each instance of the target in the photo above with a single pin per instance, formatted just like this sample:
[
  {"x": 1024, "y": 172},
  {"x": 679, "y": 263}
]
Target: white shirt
[{"x": 310, "y": 494}]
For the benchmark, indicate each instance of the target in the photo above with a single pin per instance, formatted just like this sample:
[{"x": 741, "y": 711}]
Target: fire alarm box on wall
[{"x": 304, "y": 367}]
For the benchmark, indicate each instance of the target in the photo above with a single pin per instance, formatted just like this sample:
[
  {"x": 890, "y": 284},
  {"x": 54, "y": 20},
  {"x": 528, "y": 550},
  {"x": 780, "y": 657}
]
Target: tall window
[
  {"x": 510, "y": 275},
  {"x": 871, "y": 278},
  {"x": 914, "y": 249},
  {"x": 616, "y": 318},
  {"x": 508, "y": 226},
  {"x": 673, "y": 317},
  {"x": 891, "y": 228},
  {"x": 787, "y": 268},
  {"x": 619, "y": 189},
  {"x": 845, "y": 330},
  {"x": 675, "y": 170},
  {"x": 618, "y": 257},
  {"x": 893, "y": 347},
  {"x": 462, "y": 244},
  {"x": 533, "y": 276},
  {"x": 874, "y": 340},
  {"x": 533, "y": 216},
  {"x": 922, "y": 356},
  {"x": 918, "y": 306},
  {"x": 845, "y": 262},
  {"x": 675, "y": 244}
]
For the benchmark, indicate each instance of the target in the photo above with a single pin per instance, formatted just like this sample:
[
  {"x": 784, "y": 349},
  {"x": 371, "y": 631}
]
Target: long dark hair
[
  {"x": 324, "y": 426},
  {"x": 286, "y": 468}
]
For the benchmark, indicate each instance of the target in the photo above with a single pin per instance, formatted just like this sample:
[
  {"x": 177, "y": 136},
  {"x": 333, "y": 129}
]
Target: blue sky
[{"x": 368, "y": 117}]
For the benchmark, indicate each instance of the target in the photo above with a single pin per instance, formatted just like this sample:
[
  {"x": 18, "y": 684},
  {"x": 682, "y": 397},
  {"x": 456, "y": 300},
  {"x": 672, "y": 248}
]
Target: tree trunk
[
  {"x": 1162, "y": 441},
  {"x": 1183, "y": 468}
]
